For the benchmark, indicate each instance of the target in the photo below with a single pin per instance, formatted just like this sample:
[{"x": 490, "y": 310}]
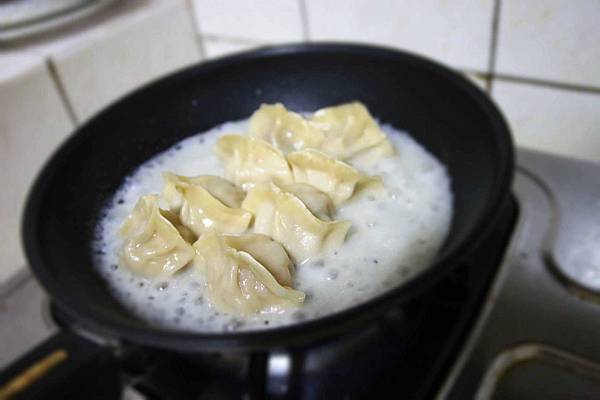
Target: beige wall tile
[
  {"x": 219, "y": 47},
  {"x": 260, "y": 20},
  {"x": 122, "y": 55},
  {"x": 15, "y": 63},
  {"x": 455, "y": 32},
  {"x": 32, "y": 123},
  {"x": 554, "y": 120},
  {"x": 555, "y": 40}
]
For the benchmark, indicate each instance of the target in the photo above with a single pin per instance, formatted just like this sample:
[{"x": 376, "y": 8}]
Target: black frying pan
[{"x": 447, "y": 114}]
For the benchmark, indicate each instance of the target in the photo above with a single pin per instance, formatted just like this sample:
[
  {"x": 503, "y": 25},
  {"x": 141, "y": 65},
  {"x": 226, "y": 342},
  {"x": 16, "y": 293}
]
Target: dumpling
[
  {"x": 199, "y": 210},
  {"x": 153, "y": 246},
  {"x": 286, "y": 219},
  {"x": 267, "y": 252},
  {"x": 237, "y": 283},
  {"x": 249, "y": 161},
  {"x": 316, "y": 201},
  {"x": 286, "y": 130},
  {"x": 223, "y": 190},
  {"x": 220, "y": 188},
  {"x": 351, "y": 133},
  {"x": 372, "y": 154},
  {"x": 336, "y": 178},
  {"x": 185, "y": 232}
]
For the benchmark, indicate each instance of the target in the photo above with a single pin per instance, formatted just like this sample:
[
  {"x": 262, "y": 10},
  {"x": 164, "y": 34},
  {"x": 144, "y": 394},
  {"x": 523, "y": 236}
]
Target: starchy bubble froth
[{"x": 395, "y": 233}]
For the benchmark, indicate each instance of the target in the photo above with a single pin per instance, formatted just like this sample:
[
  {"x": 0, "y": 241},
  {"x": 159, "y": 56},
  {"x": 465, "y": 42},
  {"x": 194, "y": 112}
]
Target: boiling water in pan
[{"x": 394, "y": 235}]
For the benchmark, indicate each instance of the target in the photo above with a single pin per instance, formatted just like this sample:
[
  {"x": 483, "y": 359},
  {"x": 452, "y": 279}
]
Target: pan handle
[{"x": 65, "y": 366}]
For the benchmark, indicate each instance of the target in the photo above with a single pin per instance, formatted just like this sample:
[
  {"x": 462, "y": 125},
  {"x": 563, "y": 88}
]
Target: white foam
[{"x": 394, "y": 235}]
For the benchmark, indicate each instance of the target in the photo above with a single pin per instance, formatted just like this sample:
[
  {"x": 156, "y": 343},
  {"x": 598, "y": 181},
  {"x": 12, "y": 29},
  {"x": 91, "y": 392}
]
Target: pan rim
[{"x": 302, "y": 332}]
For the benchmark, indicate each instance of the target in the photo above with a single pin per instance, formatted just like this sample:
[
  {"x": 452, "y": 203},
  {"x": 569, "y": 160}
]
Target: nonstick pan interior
[{"x": 443, "y": 111}]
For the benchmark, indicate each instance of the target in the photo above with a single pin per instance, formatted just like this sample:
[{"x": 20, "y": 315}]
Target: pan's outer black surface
[{"x": 442, "y": 110}]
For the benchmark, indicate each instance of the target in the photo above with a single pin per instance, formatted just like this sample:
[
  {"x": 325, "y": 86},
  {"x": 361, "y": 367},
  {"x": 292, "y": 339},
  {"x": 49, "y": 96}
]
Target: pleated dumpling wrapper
[
  {"x": 351, "y": 133},
  {"x": 331, "y": 176},
  {"x": 223, "y": 190},
  {"x": 286, "y": 130},
  {"x": 237, "y": 282},
  {"x": 206, "y": 202},
  {"x": 153, "y": 246},
  {"x": 317, "y": 202},
  {"x": 249, "y": 161},
  {"x": 284, "y": 217},
  {"x": 267, "y": 252}
]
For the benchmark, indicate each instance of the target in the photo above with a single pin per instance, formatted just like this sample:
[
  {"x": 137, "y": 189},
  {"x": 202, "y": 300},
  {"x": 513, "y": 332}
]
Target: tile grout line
[
  {"x": 198, "y": 37},
  {"x": 573, "y": 87},
  {"x": 483, "y": 74},
  {"x": 493, "y": 47},
  {"x": 304, "y": 20},
  {"x": 550, "y": 84},
  {"x": 62, "y": 92}
]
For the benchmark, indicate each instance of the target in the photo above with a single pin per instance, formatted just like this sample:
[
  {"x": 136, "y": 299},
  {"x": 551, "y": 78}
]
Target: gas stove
[{"x": 519, "y": 319}]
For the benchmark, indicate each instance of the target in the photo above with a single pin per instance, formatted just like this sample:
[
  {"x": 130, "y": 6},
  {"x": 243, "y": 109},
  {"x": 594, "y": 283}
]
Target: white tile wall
[
  {"x": 220, "y": 47},
  {"x": 122, "y": 55},
  {"x": 260, "y": 20},
  {"x": 14, "y": 64},
  {"x": 32, "y": 122},
  {"x": 554, "y": 120},
  {"x": 555, "y": 40},
  {"x": 456, "y": 32}
]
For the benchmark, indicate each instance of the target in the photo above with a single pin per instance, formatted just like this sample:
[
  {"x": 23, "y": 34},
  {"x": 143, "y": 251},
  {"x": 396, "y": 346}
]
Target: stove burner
[{"x": 516, "y": 311}]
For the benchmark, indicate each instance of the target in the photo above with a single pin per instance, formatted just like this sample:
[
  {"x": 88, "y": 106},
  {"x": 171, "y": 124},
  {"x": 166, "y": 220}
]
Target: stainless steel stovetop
[{"x": 538, "y": 334}]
